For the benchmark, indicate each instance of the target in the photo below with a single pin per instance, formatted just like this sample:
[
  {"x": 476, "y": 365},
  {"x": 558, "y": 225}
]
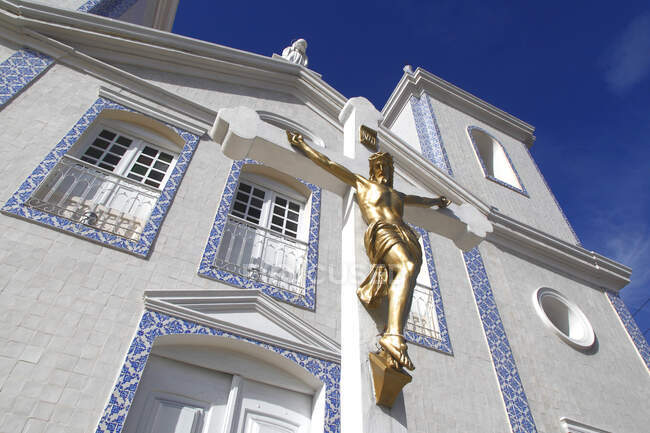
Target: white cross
[{"x": 242, "y": 134}]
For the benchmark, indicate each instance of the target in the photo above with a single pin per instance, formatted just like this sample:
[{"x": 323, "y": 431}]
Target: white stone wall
[
  {"x": 538, "y": 210},
  {"x": 404, "y": 127},
  {"x": 69, "y": 307},
  {"x": 607, "y": 387}
]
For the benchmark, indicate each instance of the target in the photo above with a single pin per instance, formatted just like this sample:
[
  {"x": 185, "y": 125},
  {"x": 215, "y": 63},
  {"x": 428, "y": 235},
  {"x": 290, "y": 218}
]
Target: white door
[
  {"x": 175, "y": 397},
  {"x": 269, "y": 409}
]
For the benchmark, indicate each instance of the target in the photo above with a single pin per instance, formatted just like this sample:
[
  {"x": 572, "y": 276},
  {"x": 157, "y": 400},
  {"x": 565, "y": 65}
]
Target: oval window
[{"x": 564, "y": 318}]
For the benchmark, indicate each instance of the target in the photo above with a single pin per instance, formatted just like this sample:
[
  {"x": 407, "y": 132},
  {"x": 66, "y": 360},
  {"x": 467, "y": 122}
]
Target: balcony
[
  {"x": 95, "y": 197},
  {"x": 262, "y": 255},
  {"x": 423, "y": 319}
]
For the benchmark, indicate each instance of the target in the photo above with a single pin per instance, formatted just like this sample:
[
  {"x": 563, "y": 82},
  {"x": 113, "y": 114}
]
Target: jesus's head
[{"x": 381, "y": 168}]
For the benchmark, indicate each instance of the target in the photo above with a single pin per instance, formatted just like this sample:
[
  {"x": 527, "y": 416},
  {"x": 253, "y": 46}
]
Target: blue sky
[{"x": 578, "y": 71}]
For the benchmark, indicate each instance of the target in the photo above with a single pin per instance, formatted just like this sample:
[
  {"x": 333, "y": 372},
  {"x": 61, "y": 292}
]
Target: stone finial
[{"x": 296, "y": 53}]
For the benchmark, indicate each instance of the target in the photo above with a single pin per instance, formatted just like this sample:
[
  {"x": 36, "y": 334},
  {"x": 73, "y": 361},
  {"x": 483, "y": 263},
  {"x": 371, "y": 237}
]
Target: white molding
[
  {"x": 128, "y": 84},
  {"x": 570, "y": 259},
  {"x": 211, "y": 308},
  {"x": 170, "y": 52},
  {"x": 422, "y": 81},
  {"x": 571, "y": 426}
]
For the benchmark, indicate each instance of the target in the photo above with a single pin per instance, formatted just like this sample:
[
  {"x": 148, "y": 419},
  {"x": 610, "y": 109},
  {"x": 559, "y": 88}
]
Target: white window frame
[
  {"x": 273, "y": 189},
  {"x": 423, "y": 283},
  {"x": 141, "y": 137},
  {"x": 499, "y": 167}
]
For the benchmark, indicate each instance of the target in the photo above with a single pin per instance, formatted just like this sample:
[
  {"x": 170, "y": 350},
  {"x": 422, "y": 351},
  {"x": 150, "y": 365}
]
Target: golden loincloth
[{"x": 378, "y": 240}]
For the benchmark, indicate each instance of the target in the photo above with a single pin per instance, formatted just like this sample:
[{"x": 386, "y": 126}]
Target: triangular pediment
[{"x": 246, "y": 312}]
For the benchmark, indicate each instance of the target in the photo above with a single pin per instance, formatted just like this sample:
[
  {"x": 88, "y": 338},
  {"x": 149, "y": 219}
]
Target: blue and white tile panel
[
  {"x": 107, "y": 8},
  {"x": 154, "y": 324},
  {"x": 206, "y": 268},
  {"x": 428, "y": 132},
  {"x": 19, "y": 70},
  {"x": 631, "y": 327},
  {"x": 521, "y": 190},
  {"x": 142, "y": 247},
  {"x": 512, "y": 389},
  {"x": 444, "y": 344},
  {"x": 550, "y": 191}
]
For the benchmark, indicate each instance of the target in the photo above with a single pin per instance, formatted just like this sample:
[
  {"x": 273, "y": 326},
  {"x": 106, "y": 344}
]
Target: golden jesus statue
[{"x": 391, "y": 245}]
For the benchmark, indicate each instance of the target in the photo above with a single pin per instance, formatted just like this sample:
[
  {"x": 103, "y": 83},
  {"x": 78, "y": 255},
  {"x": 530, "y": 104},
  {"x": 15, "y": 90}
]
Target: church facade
[{"x": 170, "y": 264}]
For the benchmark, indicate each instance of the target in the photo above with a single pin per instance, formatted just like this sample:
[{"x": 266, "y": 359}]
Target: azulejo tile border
[
  {"x": 107, "y": 8},
  {"x": 550, "y": 191},
  {"x": 631, "y": 327},
  {"x": 429, "y": 135},
  {"x": 512, "y": 389},
  {"x": 444, "y": 344},
  {"x": 19, "y": 70},
  {"x": 154, "y": 324},
  {"x": 16, "y": 205},
  {"x": 485, "y": 170},
  {"x": 207, "y": 270}
]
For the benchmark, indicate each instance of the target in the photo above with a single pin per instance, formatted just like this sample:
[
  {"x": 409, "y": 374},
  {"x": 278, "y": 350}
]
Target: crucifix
[{"x": 391, "y": 246}]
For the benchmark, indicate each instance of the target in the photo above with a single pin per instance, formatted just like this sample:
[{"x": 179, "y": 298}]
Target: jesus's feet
[{"x": 396, "y": 347}]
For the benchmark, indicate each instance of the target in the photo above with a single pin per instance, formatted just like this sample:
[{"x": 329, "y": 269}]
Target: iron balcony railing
[
  {"x": 423, "y": 318},
  {"x": 95, "y": 197},
  {"x": 263, "y": 255}
]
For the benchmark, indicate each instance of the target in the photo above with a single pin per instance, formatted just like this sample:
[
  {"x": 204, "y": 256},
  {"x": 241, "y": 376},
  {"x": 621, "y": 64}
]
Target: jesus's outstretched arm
[
  {"x": 415, "y": 200},
  {"x": 321, "y": 160}
]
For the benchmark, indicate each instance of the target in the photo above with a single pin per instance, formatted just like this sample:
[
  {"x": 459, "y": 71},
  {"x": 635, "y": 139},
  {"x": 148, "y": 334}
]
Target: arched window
[
  {"x": 112, "y": 177},
  {"x": 266, "y": 234},
  {"x": 494, "y": 159},
  {"x": 105, "y": 179}
]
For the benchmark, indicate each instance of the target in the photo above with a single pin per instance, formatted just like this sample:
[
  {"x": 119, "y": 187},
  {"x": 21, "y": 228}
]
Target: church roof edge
[{"x": 422, "y": 81}]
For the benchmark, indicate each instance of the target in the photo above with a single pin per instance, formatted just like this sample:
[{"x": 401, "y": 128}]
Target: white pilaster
[{"x": 360, "y": 328}]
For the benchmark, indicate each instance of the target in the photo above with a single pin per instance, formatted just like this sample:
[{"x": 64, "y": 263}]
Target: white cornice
[
  {"x": 422, "y": 81},
  {"x": 155, "y": 110},
  {"x": 220, "y": 309},
  {"x": 567, "y": 258},
  {"x": 173, "y": 53}
]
